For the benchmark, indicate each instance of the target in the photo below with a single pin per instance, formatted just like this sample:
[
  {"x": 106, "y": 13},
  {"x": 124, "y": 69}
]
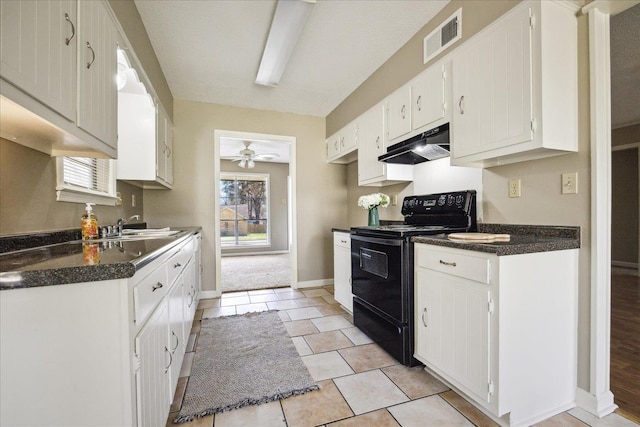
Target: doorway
[{"x": 255, "y": 202}]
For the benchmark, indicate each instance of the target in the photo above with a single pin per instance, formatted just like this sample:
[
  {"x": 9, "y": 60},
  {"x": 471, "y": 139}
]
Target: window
[
  {"x": 244, "y": 210},
  {"x": 84, "y": 179}
]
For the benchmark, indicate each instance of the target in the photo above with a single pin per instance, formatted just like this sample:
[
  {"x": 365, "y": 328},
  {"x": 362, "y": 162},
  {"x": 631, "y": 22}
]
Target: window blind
[{"x": 84, "y": 172}]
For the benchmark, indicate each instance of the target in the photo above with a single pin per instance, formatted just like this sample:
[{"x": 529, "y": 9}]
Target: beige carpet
[{"x": 243, "y": 273}]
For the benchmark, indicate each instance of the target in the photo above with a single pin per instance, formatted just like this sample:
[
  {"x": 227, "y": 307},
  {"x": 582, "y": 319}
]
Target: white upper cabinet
[
  {"x": 430, "y": 97},
  {"x": 342, "y": 146},
  {"x": 164, "y": 148},
  {"x": 515, "y": 88},
  {"x": 38, "y": 47},
  {"x": 97, "y": 68},
  {"x": 51, "y": 101},
  {"x": 372, "y": 144},
  {"x": 399, "y": 113}
]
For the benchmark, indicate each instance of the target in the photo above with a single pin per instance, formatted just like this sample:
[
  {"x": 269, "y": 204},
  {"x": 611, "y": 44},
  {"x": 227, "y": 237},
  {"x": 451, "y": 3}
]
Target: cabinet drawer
[
  {"x": 456, "y": 263},
  {"x": 342, "y": 239},
  {"x": 179, "y": 260},
  {"x": 148, "y": 293}
]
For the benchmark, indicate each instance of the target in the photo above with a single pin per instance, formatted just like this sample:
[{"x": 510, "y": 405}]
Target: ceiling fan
[{"x": 247, "y": 156}]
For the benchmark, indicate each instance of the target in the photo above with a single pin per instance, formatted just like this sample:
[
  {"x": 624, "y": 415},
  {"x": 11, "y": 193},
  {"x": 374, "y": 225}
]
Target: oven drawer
[{"x": 453, "y": 261}]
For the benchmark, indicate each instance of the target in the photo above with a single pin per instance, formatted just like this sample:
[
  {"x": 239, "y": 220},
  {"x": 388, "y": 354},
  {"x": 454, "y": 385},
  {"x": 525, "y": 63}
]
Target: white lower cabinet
[
  {"x": 500, "y": 329},
  {"x": 342, "y": 269},
  {"x": 105, "y": 353}
]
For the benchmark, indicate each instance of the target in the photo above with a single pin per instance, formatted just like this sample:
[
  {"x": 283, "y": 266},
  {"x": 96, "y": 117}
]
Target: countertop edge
[
  {"x": 90, "y": 273},
  {"x": 502, "y": 249}
]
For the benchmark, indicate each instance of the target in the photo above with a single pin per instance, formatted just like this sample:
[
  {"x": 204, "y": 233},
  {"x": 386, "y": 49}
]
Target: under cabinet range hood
[{"x": 430, "y": 145}]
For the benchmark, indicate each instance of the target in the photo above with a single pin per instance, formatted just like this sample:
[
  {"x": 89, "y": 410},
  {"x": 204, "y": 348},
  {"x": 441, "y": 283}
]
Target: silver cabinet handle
[
  {"x": 342, "y": 141},
  {"x": 424, "y": 322},
  {"x": 343, "y": 241},
  {"x": 176, "y": 265},
  {"x": 156, "y": 287},
  {"x": 177, "y": 341},
  {"x": 452, "y": 264},
  {"x": 461, "y": 104},
  {"x": 170, "y": 359},
  {"x": 402, "y": 111},
  {"x": 73, "y": 29},
  {"x": 93, "y": 55},
  {"x": 378, "y": 142},
  {"x": 419, "y": 103}
]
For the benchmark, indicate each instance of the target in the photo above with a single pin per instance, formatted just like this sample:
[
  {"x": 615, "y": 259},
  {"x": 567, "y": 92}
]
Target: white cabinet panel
[
  {"x": 38, "y": 50},
  {"x": 399, "y": 113},
  {"x": 342, "y": 269},
  {"x": 371, "y": 146},
  {"x": 97, "y": 68},
  {"x": 342, "y": 146},
  {"x": 430, "y": 97}
]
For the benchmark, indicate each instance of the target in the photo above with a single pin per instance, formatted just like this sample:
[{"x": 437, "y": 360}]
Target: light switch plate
[{"x": 570, "y": 183}]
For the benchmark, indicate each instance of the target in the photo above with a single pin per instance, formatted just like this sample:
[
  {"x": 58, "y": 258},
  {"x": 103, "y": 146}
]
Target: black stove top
[{"x": 430, "y": 214}]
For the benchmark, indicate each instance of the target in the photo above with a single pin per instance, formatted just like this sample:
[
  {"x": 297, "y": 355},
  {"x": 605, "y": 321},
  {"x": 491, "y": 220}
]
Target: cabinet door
[
  {"x": 428, "y": 106},
  {"x": 399, "y": 113},
  {"x": 371, "y": 146},
  {"x": 342, "y": 270},
  {"x": 349, "y": 137},
  {"x": 161, "y": 144},
  {"x": 169, "y": 157},
  {"x": 38, "y": 50},
  {"x": 97, "y": 69},
  {"x": 152, "y": 379},
  {"x": 452, "y": 329},
  {"x": 333, "y": 146},
  {"x": 177, "y": 334},
  {"x": 492, "y": 89}
]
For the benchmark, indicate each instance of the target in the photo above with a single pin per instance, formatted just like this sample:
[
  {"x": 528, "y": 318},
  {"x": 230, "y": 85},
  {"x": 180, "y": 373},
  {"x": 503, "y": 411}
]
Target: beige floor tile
[
  {"x": 209, "y": 303},
  {"x": 289, "y": 294},
  {"x": 329, "y": 299},
  {"x": 611, "y": 420},
  {"x": 357, "y": 336},
  {"x": 379, "y": 418},
  {"x": 284, "y": 316},
  {"x": 282, "y": 305},
  {"x": 367, "y": 357},
  {"x": 227, "y": 302},
  {"x": 263, "y": 298},
  {"x": 329, "y": 288},
  {"x": 467, "y": 409},
  {"x": 327, "y": 341},
  {"x": 315, "y": 292},
  {"x": 181, "y": 387},
  {"x": 331, "y": 323},
  {"x": 310, "y": 301},
  {"x": 210, "y": 313},
  {"x": 414, "y": 382},
  {"x": 226, "y": 295},
  {"x": 304, "y": 313},
  {"x": 428, "y": 411},
  {"x": 561, "y": 420},
  {"x": 369, "y": 391},
  {"x": 300, "y": 327},
  {"x": 328, "y": 365},
  {"x": 200, "y": 422},
  {"x": 316, "y": 407},
  {"x": 268, "y": 414},
  {"x": 251, "y": 308},
  {"x": 349, "y": 317},
  {"x": 331, "y": 309},
  {"x": 261, "y": 292},
  {"x": 198, "y": 315},
  {"x": 302, "y": 346}
]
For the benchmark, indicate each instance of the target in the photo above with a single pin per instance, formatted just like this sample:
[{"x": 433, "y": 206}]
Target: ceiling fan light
[
  {"x": 286, "y": 27},
  {"x": 243, "y": 163},
  {"x": 251, "y": 164}
]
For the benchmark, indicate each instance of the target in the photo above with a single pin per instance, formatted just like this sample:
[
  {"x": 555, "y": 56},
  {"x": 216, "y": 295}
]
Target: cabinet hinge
[
  {"x": 533, "y": 125},
  {"x": 490, "y": 388},
  {"x": 136, "y": 362},
  {"x": 490, "y": 306},
  {"x": 532, "y": 21}
]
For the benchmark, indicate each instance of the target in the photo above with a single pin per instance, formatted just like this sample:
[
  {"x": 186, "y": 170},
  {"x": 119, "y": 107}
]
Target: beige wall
[
  {"x": 321, "y": 187},
  {"x": 278, "y": 204},
  {"x": 28, "y": 195},
  {"x": 541, "y": 201},
  {"x": 129, "y": 18}
]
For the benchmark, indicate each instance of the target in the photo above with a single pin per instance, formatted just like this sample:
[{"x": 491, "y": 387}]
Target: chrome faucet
[{"x": 121, "y": 222}]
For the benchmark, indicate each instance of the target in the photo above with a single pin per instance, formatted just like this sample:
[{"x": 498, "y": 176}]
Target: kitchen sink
[{"x": 147, "y": 232}]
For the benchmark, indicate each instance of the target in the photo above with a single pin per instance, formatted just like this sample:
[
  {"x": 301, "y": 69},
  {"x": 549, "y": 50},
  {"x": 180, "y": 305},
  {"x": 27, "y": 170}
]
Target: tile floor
[{"x": 360, "y": 384}]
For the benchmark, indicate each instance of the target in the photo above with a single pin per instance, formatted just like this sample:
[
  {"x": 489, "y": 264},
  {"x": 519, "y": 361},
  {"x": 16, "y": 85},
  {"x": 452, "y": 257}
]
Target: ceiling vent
[{"x": 446, "y": 34}]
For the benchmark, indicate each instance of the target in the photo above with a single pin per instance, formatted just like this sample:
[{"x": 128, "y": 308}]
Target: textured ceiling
[
  {"x": 625, "y": 67},
  {"x": 210, "y": 51}
]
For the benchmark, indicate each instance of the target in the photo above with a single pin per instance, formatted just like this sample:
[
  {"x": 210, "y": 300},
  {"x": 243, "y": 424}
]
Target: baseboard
[
  {"x": 254, "y": 253},
  {"x": 599, "y": 405},
  {"x": 315, "y": 283},
  {"x": 625, "y": 264},
  {"x": 209, "y": 294}
]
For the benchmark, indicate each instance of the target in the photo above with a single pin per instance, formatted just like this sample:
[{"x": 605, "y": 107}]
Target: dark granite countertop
[
  {"x": 75, "y": 261},
  {"x": 340, "y": 230},
  {"x": 525, "y": 239}
]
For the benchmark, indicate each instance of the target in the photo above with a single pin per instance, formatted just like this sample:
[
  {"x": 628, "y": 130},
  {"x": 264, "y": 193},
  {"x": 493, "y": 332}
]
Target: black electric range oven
[{"x": 382, "y": 266}]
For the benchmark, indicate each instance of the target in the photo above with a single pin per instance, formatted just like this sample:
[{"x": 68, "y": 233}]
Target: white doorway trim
[
  {"x": 598, "y": 399},
  {"x": 218, "y": 134}
]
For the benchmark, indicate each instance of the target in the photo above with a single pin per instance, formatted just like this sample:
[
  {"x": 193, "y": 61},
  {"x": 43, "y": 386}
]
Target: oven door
[{"x": 379, "y": 274}]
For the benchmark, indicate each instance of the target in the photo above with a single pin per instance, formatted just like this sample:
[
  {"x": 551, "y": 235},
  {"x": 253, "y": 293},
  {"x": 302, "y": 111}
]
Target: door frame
[
  {"x": 291, "y": 140},
  {"x": 598, "y": 399}
]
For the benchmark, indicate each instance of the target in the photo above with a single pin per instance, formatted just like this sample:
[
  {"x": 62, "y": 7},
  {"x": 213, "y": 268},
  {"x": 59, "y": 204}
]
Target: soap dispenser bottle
[{"x": 89, "y": 223}]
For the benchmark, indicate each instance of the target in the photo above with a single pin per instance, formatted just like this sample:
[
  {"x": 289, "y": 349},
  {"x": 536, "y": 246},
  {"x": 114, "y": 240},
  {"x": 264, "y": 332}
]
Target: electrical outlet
[
  {"x": 394, "y": 200},
  {"x": 570, "y": 183},
  {"x": 133, "y": 200},
  {"x": 514, "y": 188}
]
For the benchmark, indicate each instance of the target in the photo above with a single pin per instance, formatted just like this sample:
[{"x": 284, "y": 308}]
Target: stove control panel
[{"x": 442, "y": 203}]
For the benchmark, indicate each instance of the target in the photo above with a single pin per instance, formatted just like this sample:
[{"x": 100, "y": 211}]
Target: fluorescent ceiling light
[{"x": 286, "y": 27}]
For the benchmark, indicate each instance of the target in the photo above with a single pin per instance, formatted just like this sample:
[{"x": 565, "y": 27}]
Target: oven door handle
[{"x": 378, "y": 240}]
